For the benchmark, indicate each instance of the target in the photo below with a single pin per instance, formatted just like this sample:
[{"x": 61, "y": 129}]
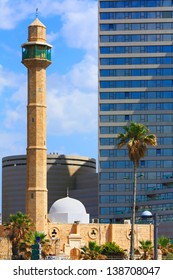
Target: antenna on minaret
[
  {"x": 67, "y": 191},
  {"x": 36, "y": 12}
]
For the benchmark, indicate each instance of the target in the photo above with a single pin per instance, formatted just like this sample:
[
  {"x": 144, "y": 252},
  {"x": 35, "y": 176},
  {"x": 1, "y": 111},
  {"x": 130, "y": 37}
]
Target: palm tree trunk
[{"x": 132, "y": 237}]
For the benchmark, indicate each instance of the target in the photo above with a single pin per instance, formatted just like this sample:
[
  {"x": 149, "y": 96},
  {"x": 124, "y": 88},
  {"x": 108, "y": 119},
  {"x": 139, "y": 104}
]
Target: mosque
[{"x": 67, "y": 222}]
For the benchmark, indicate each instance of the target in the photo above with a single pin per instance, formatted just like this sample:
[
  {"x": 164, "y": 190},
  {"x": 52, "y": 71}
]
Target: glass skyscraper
[{"x": 135, "y": 84}]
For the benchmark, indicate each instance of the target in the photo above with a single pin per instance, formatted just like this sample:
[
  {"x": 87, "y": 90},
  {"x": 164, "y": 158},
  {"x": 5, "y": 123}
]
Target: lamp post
[{"x": 147, "y": 214}]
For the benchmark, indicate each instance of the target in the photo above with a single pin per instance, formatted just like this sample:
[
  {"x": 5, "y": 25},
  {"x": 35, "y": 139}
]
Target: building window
[{"x": 158, "y": 152}]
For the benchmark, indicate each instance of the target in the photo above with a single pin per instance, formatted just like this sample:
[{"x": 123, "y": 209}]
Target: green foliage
[
  {"x": 165, "y": 245},
  {"x": 34, "y": 234},
  {"x": 163, "y": 242},
  {"x": 111, "y": 248},
  {"x": 137, "y": 139},
  {"x": 96, "y": 252},
  {"x": 17, "y": 229},
  {"x": 92, "y": 252},
  {"x": 26, "y": 244},
  {"x": 147, "y": 247},
  {"x": 94, "y": 247}
]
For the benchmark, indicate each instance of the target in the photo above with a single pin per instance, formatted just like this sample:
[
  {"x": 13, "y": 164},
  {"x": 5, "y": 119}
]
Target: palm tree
[
  {"x": 92, "y": 252},
  {"x": 26, "y": 244},
  {"x": 137, "y": 139},
  {"x": 165, "y": 246},
  {"x": 17, "y": 229},
  {"x": 147, "y": 248}
]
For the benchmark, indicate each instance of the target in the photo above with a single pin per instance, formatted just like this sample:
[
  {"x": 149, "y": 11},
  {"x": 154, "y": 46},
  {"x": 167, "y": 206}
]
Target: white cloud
[
  {"x": 79, "y": 18},
  {"x": 12, "y": 116},
  {"x": 52, "y": 36},
  {"x": 13, "y": 91},
  {"x": 8, "y": 79},
  {"x": 12, "y": 12},
  {"x": 80, "y": 25},
  {"x": 84, "y": 74},
  {"x": 12, "y": 142},
  {"x": 74, "y": 113}
]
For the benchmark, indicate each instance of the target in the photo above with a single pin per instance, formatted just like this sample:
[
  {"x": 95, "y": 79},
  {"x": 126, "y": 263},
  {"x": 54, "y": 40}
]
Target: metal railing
[{"x": 35, "y": 52}]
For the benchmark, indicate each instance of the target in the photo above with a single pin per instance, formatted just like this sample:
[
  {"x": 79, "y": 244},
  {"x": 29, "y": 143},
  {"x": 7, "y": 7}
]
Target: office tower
[
  {"x": 135, "y": 84},
  {"x": 36, "y": 56}
]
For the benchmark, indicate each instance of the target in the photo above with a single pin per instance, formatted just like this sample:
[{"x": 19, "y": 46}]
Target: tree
[
  {"x": 165, "y": 245},
  {"x": 147, "y": 248},
  {"x": 163, "y": 242},
  {"x": 17, "y": 229},
  {"x": 136, "y": 138},
  {"x": 111, "y": 249},
  {"x": 92, "y": 252},
  {"x": 26, "y": 244}
]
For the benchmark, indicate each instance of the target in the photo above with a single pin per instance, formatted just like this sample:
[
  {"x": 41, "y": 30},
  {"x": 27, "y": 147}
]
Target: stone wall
[
  {"x": 66, "y": 237},
  {"x": 5, "y": 249},
  {"x": 79, "y": 235},
  {"x": 5, "y": 246}
]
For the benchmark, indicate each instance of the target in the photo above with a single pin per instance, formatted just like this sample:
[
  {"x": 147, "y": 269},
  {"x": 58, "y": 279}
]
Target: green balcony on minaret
[{"x": 36, "y": 51}]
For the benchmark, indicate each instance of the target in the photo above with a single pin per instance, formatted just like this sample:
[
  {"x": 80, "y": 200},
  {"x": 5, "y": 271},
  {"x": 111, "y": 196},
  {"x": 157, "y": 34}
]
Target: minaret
[{"x": 36, "y": 56}]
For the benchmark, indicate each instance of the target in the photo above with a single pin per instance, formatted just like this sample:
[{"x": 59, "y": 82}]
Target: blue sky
[{"x": 71, "y": 79}]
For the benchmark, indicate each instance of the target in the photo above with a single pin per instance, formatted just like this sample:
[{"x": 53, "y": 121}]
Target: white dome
[
  {"x": 68, "y": 210},
  {"x": 67, "y": 205}
]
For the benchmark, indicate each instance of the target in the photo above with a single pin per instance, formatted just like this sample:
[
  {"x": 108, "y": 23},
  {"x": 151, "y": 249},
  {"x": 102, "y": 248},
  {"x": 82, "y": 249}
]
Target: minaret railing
[{"x": 36, "y": 51}]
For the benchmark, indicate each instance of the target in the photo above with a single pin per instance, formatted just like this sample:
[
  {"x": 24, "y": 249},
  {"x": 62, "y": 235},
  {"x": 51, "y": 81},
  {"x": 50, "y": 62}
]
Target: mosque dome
[
  {"x": 67, "y": 205},
  {"x": 68, "y": 210}
]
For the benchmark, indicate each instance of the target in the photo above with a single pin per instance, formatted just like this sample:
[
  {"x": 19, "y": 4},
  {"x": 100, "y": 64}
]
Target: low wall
[
  {"x": 78, "y": 235},
  {"x": 65, "y": 237}
]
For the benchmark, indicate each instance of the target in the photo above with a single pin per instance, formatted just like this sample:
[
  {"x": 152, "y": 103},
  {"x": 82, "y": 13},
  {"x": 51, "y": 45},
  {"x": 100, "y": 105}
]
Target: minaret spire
[
  {"x": 36, "y": 12},
  {"x": 36, "y": 56}
]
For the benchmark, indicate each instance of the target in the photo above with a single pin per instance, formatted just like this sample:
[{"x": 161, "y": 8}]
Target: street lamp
[{"x": 145, "y": 215}]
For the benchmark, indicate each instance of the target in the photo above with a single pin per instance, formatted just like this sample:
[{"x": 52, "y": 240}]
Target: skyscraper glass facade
[{"x": 135, "y": 84}]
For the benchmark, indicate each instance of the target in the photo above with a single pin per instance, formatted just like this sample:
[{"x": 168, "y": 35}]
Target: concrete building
[
  {"x": 75, "y": 173},
  {"x": 135, "y": 84}
]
